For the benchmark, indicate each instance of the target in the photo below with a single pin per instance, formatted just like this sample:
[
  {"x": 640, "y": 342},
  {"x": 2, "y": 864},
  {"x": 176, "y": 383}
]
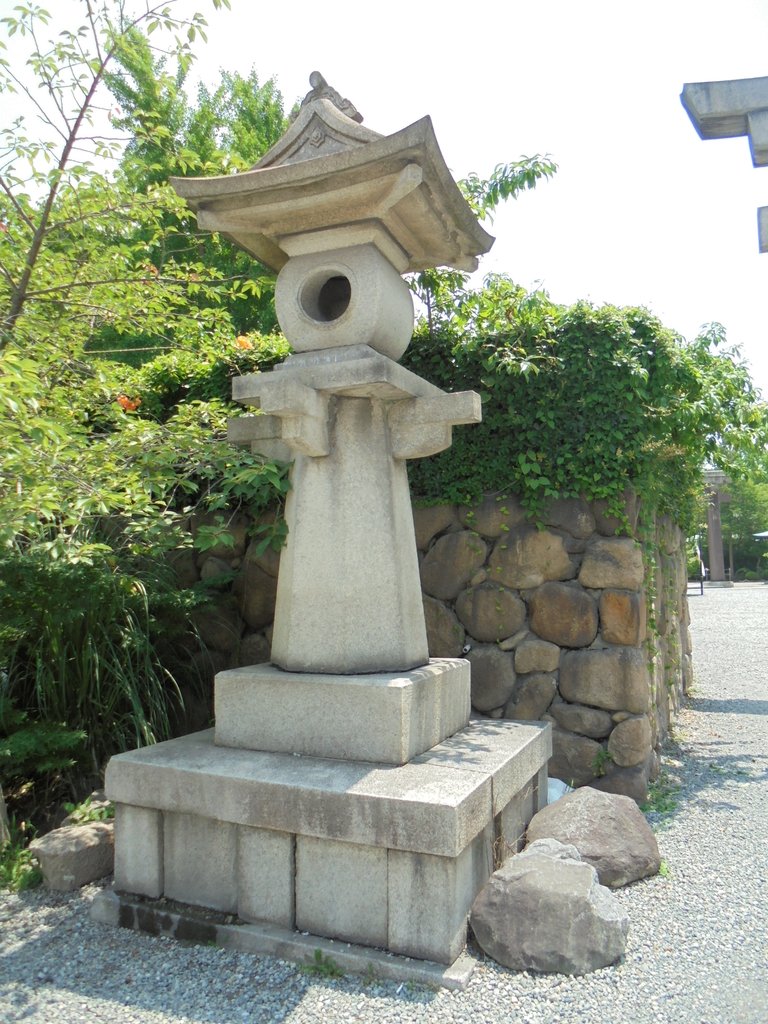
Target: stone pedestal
[
  {"x": 387, "y": 718},
  {"x": 373, "y": 854}
]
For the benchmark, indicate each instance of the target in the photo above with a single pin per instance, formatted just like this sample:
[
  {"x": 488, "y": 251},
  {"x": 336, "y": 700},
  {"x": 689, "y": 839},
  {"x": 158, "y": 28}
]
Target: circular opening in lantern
[{"x": 327, "y": 298}]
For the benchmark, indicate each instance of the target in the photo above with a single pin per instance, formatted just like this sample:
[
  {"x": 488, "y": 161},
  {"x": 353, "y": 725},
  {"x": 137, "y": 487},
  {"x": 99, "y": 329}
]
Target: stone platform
[{"x": 379, "y": 855}]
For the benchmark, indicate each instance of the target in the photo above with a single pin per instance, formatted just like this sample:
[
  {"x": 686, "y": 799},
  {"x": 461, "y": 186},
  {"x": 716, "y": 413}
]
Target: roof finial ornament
[{"x": 322, "y": 91}]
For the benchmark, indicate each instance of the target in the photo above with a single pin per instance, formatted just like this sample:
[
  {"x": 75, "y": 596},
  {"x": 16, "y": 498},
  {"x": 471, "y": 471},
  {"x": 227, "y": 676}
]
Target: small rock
[{"x": 76, "y": 854}]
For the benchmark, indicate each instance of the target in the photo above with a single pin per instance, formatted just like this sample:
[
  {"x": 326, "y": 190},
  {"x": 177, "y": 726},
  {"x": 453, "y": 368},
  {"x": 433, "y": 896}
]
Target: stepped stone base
[
  {"x": 379, "y": 855},
  {"x": 383, "y": 717}
]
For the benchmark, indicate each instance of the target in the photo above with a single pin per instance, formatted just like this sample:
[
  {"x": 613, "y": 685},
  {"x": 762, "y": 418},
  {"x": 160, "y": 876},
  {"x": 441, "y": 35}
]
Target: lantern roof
[{"x": 330, "y": 182}]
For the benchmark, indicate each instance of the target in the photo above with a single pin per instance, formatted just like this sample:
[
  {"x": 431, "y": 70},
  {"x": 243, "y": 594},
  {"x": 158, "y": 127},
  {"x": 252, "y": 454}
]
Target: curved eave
[{"x": 431, "y": 221}]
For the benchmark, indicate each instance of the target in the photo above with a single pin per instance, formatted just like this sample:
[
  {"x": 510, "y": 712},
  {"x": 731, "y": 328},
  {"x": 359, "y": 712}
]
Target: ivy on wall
[{"x": 583, "y": 401}]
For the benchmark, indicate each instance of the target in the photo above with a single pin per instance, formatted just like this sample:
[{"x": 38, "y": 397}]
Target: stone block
[
  {"x": 490, "y": 612},
  {"x": 492, "y": 676},
  {"x": 386, "y": 718},
  {"x": 574, "y": 758},
  {"x": 139, "y": 850},
  {"x": 630, "y": 742},
  {"x": 572, "y": 515},
  {"x": 532, "y": 697},
  {"x": 445, "y": 634},
  {"x": 622, "y": 617},
  {"x": 430, "y": 898},
  {"x": 428, "y": 522},
  {"x": 265, "y": 876},
  {"x": 494, "y": 515},
  {"x": 200, "y": 861},
  {"x": 612, "y": 562},
  {"x": 451, "y": 563},
  {"x": 534, "y": 655},
  {"x": 76, "y": 854},
  {"x": 563, "y": 615},
  {"x": 513, "y": 821},
  {"x": 526, "y": 557},
  {"x": 583, "y": 720},
  {"x": 616, "y": 679},
  {"x": 341, "y": 890}
]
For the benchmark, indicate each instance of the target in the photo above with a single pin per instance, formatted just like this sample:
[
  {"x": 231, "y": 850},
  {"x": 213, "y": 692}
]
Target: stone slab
[
  {"x": 266, "y": 864},
  {"x": 423, "y": 807},
  {"x": 511, "y": 753},
  {"x": 200, "y": 858},
  {"x": 341, "y": 890},
  {"x": 386, "y": 718},
  {"x": 261, "y": 939},
  {"x": 139, "y": 850}
]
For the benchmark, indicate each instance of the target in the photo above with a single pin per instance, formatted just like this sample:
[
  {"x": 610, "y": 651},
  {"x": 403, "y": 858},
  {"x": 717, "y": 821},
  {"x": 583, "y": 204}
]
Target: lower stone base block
[{"x": 384, "y": 856}]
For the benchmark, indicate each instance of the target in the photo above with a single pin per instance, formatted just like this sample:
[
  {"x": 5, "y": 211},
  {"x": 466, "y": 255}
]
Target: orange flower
[
  {"x": 128, "y": 404},
  {"x": 243, "y": 342}
]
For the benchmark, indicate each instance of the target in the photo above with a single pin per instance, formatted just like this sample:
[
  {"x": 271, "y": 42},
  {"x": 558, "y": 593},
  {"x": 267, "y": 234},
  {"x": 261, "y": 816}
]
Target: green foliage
[
  {"x": 583, "y": 401},
  {"x": 34, "y": 749},
  {"x": 86, "y": 810},
  {"x": 322, "y": 966},
  {"x": 103, "y": 466},
  {"x": 18, "y": 868}
]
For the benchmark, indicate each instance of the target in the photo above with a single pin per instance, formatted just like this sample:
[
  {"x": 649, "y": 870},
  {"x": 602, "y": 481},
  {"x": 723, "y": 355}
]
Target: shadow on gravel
[
  {"x": 134, "y": 979},
  {"x": 697, "y": 773},
  {"x": 738, "y": 706}
]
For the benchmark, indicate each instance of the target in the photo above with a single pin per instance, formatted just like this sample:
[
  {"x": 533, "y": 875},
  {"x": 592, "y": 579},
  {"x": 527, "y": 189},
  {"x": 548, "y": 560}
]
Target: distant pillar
[{"x": 715, "y": 537}]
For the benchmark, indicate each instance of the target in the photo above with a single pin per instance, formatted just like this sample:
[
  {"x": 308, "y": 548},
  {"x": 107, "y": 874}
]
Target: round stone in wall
[
  {"x": 490, "y": 612},
  {"x": 445, "y": 634},
  {"x": 564, "y": 615},
  {"x": 493, "y": 677},
  {"x": 526, "y": 557},
  {"x": 630, "y": 742},
  {"x": 532, "y": 697},
  {"x": 451, "y": 563}
]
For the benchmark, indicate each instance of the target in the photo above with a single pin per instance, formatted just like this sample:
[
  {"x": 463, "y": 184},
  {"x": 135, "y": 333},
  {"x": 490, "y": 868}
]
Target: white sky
[{"x": 641, "y": 211}]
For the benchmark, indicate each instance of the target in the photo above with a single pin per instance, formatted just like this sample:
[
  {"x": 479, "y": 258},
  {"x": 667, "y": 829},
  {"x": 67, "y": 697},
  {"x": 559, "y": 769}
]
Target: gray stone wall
[{"x": 577, "y": 622}]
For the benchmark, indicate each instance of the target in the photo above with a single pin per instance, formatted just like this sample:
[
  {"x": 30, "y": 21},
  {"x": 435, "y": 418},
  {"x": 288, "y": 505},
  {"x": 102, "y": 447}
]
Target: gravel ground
[{"x": 697, "y": 946}]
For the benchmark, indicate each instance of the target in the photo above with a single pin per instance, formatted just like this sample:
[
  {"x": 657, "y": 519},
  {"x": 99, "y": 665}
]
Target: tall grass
[{"x": 77, "y": 647}]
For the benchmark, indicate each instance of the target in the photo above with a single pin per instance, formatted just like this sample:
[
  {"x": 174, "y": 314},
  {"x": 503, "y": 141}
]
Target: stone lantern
[{"x": 344, "y": 791}]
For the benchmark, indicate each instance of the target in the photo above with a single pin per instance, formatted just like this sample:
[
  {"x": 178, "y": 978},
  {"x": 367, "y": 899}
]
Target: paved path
[{"x": 696, "y": 952}]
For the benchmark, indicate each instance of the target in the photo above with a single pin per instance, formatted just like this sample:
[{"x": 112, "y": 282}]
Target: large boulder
[
  {"x": 622, "y": 617},
  {"x": 609, "y": 831},
  {"x": 544, "y": 910},
  {"x": 578, "y": 718}
]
